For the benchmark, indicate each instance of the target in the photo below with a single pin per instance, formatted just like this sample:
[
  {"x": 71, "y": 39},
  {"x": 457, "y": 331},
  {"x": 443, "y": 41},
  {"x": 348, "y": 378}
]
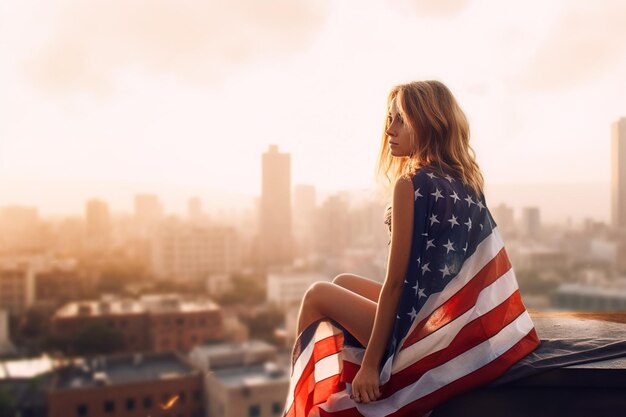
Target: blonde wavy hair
[{"x": 439, "y": 136}]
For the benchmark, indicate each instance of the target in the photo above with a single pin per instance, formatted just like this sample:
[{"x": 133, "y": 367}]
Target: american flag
[{"x": 460, "y": 321}]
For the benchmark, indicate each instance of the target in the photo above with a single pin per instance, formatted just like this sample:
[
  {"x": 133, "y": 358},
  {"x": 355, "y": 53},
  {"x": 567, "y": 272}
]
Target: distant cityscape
[{"x": 190, "y": 315}]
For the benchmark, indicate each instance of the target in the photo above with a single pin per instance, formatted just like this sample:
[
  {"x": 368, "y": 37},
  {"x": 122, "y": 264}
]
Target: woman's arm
[{"x": 399, "y": 252}]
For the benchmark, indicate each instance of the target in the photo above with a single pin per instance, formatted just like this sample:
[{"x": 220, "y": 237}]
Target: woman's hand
[{"x": 365, "y": 385}]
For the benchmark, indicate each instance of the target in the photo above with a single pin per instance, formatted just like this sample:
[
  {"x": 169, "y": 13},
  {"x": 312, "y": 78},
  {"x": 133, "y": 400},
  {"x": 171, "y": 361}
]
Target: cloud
[
  {"x": 196, "y": 41},
  {"x": 434, "y": 8},
  {"x": 586, "y": 41}
]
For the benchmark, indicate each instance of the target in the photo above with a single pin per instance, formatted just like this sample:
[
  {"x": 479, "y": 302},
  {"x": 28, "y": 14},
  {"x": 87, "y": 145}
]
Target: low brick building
[
  {"x": 153, "y": 323},
  {"x": 139, "y": 385}
]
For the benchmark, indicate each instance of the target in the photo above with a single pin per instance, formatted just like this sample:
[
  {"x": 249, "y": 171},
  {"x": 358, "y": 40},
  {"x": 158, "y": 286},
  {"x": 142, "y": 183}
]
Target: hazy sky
[{"x": 150, "y": 95}]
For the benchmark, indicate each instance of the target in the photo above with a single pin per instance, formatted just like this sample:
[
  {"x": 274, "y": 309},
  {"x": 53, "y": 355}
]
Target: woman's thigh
[
  {"x": 353, "y": 311},
  {"x": 366, "y": 287}
]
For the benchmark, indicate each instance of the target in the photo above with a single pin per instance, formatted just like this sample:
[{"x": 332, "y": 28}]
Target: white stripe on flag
[
  {"x": 485, "y": 252},
  {"x": 489, "y": 298},
  {"x": 327, "y": 367},
  {"x": 456, "y": 368},
  {"x": 324, "y": 329}
]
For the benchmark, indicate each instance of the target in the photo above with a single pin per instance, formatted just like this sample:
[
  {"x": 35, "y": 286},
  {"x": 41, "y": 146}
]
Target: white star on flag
[
  {"x": 449, "y": 246},
  {"x": 425, "y": 268},
  {"x": 421, "y": 293},
  {"x": 433, "y": 219},
  {"x": 448, "y": 177},
  {"x": 469, "y": 201},
  {"x": 445, "y": 270},
  {"x": 453, "y": 221},
  {"x": 437, "y": 194},
  {"x": 413, "y": 313},
  {"x": 455, "y": 196},
  {"x": 468, "y": 224},
  {"x": 417, "y": 194},
  {"x": 416, "y": 287},
  {"x": 431, "y": 175},
  {"x": 430, "y": 243},
  {"x": 480, "y": 205}
]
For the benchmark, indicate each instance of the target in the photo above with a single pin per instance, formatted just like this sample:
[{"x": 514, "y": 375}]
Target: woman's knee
[
  {"x": 343, "y": 279},
  {"x": 316, "y": 292}
]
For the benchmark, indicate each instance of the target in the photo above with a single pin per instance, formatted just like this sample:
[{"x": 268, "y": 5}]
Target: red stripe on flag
[
  {"x": 328, "y": 346},
  {"x": 349, "y": 371},
  {"x": 462, "y": 301},
  {"x": 325, "y": 388},
  {"x": 481, "y": 376},
  {"x": 471, "y": 335},
  {"x": 322, "y": 348}
]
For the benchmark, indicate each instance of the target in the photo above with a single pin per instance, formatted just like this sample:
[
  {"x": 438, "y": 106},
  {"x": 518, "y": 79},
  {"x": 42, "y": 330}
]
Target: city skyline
[{"x": 169, "y": 109}]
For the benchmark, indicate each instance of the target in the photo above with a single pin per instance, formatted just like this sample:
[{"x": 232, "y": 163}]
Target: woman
[{"x": 448, "y": 316}]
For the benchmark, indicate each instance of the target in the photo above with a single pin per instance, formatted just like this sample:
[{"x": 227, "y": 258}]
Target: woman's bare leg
[
  {"x": 353, "y": 311},
  {"x": 366, "y": 287}
]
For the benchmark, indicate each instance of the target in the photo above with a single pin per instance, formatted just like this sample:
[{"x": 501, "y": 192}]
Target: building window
[
  {"x": 147, "y": 402},
  {"x": 130, "y": 404},
  {"x": 109, "y": 407},
  {"x": 276, "y": 408},
  {"x": 82, "y": 410},
  {"x": 254, "y": 411}
]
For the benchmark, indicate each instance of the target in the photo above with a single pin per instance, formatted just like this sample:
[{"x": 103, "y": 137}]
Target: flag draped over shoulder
[{"x": 460, "y": 320}]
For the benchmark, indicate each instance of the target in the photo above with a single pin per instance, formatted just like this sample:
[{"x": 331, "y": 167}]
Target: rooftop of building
[
  {"x": 594, "y": 386},
  {"x": 122, "y": 370},
  {"x": 217, "y": 349},
  {"x": 25, "y": 368},
  {"x": 252, "y": 375},
  {"x": 153, "y": 304},
  {"x": 615, "y": 290}
]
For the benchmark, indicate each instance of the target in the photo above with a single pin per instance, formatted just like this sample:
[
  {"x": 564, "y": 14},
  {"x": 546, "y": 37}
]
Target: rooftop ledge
[{"x": 596, "y": 388}]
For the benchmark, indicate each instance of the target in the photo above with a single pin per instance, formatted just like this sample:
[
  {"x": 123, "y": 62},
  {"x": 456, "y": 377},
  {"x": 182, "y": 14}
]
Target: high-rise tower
[
  {"x": 618, "y": 175},
  {"x": 275, "y": 234}
]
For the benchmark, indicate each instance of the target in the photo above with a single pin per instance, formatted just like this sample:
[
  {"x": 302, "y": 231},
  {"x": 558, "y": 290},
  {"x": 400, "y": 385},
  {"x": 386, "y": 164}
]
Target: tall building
[
  {"x": 531, "y": 222},
  {"x": 6, "y": 346},
  {"x": 195, "y": 213},
  {"x": 148, "y": 213},
  {"x": 304, "y": 216},
  {"x": 20, "y": 229},
  {"x": 17, "y": 287},
  {"x": 504, "y": 217},
  {"x": 183, "y": 252},
  {"x": 618, "y": 174},
  {"x": 332, "y": 228},
  {"x": 99, "y": 228},
  {"x": 275, "y": 234}
]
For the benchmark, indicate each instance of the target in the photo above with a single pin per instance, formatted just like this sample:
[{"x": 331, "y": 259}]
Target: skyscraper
[
  {"x": 275, "y": 234},
  {"x": 531, "y": 222},
  {"x": 304, "y": 217},
  {"x": 148, "y": 213},
  {"x": 98, "y": 225},
  {"x": 618, "y": 174}
]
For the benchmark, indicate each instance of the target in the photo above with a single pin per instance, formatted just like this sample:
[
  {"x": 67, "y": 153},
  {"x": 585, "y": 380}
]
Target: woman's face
[{"x": 398, "y": 132}]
